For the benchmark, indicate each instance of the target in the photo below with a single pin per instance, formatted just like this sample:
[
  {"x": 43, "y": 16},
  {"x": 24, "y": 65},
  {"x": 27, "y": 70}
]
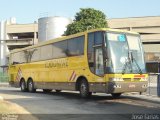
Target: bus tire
[
  {"x": 84, "y": 89},
  {"x": 31, "y": 86},
  {"x": 58, "y": 91},
  {"x": 23, "y": 85},
  {"x": 116, "y": 95},
  {"x": 47, "y": 90}
]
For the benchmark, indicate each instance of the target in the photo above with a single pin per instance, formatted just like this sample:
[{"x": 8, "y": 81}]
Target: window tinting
[
  {"x": 98, "y": 38},
  {"x": 90, "y": 42},
  {"x": 46, "y": 52},
  {"x": 66, "y": 48},
  {"x": 76, "y": 46},
  {"x": 34, "y": 54},
  {"x": 91, "y": 51},
  {"x": 60, "y": 49},
  {"x": 18, "y": 58}
]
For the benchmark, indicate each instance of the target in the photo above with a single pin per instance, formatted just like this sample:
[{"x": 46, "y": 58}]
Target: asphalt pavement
[{"x": 69, "y": 106}]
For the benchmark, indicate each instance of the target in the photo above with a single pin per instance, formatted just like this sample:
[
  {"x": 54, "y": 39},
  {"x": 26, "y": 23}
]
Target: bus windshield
[{"x": 124, "y": 53}]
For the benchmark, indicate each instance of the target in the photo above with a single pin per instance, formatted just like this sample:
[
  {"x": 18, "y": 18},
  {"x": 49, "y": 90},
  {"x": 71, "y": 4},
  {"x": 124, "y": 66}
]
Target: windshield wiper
[
  {"x": 128, "y": 62},
  {"x": 131, "y": 60},
  {"x": 124, "y": 68},
  {"x": 139, "y": 69}
]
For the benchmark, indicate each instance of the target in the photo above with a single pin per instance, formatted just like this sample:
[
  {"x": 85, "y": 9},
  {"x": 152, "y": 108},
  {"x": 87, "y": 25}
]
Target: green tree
[{"x": 88, "y": 18}]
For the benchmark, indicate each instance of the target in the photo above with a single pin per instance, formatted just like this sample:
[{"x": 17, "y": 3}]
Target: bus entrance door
[{"x": 99, "y": 70}]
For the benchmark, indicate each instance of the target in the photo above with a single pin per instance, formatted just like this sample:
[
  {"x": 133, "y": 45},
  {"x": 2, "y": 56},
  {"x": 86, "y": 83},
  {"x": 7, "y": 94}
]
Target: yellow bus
[{"x": 101, "y": 60}]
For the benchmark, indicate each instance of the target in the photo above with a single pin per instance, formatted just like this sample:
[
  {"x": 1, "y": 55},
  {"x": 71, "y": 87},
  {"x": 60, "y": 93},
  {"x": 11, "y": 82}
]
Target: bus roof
[{"x": 72, "y": 36}]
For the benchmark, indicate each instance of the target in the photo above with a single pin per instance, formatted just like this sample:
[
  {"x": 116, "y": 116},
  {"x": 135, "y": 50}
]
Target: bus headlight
[
  {"x": 144, "y": 86},
  {"x": 117, "y": 86},
  {"x": 116, "y": 79},
  {"x": 144, "y": 79}
]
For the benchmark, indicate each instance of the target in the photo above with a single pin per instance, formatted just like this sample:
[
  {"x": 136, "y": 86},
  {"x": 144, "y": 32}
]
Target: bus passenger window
[
  {"x": 14, "y": 63},
  {"x": 98, "y": 38},
  {"x": 91, "y": 51},
  {"x": 76, "y": 46},
  {"x": 59, "y": 49}
]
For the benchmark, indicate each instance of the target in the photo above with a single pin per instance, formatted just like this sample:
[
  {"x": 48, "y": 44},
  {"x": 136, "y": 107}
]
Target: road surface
[{"x": 69, "y": 106}]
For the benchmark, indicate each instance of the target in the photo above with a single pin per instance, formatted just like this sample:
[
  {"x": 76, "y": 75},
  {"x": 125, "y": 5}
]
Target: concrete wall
[
  {"x": 21, "y": 28},
  {"x": 137, "y": 22},
  {"x": 26, "y": 35}
]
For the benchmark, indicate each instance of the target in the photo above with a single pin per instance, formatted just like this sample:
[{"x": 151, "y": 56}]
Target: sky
[{"x": 28, "y": 11}]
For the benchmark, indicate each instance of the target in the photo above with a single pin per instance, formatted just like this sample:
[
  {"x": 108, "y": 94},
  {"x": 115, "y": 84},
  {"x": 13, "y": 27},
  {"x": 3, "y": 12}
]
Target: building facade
[{"x": 15, "y": 36}]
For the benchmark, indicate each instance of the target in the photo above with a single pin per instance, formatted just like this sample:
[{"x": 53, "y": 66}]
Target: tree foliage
[{"x": 86, "y": 19}]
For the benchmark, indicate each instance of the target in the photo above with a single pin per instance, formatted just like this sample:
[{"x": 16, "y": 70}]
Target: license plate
[{"x": 132, "y": 86}]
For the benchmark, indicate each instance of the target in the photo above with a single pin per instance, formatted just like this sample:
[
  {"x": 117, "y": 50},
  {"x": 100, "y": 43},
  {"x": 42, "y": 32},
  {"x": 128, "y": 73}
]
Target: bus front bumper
[{"x": 121, "y": 87}]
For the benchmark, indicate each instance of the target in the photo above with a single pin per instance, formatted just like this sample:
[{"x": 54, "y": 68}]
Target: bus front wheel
[
  {"x": 84, "y": 89},
  {"x": 58, "y": 91},
  {"x": 116, "y": 95},
  {"x": 47, "y": 90},
  {"x": 31, "y": 86}
]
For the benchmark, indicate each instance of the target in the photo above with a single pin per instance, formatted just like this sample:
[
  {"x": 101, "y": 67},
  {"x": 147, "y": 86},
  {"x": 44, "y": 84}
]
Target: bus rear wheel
[
  {"x": 116, "y": 95},
  {"x": 31, "y": 86},
  {"x": 23, "y": 86},
  {"x": 84, "y": 89},
  {"x": 47, "y": 90}
]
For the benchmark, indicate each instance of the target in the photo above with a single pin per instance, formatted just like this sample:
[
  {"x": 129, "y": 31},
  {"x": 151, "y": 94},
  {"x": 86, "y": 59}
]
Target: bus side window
[
  {"x": 14, "y": 63},
  {"x": 91, "y": 51},
  {"x": 76, "y": 46}
]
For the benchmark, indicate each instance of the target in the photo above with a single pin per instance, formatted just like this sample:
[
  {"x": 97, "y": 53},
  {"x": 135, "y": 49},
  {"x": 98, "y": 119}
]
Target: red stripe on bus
[
  {"x": 17, "y": 77},
  {"x": 74, "y": 77},
  {"x": 20, "y": 70},
  {"x": 19, "y": 74},
  {"x": 71, "y": 75}
]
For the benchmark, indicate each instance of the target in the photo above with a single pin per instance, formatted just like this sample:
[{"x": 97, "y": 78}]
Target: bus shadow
[
  {"x": 73, "y": 95},
  {"x": 68, "y": 95},
  {"x": 63, "y": 94},
  {"x": 103, "y": 98}
]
